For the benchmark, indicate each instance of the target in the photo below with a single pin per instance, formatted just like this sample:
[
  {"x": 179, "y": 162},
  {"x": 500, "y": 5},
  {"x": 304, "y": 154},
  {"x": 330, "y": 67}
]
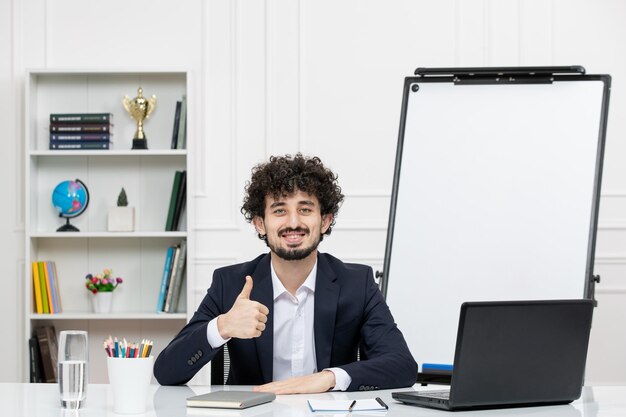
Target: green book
[
  {"x": 44, "y": 288},
  {"x": 169, "y": 224}
]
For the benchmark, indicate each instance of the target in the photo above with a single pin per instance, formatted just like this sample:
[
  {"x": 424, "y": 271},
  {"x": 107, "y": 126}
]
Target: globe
[{"x": 70, "y": 199}]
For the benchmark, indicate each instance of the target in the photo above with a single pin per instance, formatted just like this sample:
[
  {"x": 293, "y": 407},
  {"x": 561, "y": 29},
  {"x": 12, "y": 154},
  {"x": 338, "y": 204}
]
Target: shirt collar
[{"x": 279, "y": 288}]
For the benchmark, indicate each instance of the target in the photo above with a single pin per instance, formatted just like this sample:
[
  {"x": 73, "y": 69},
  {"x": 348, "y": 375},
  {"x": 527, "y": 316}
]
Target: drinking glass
[{"x": 73, "y": 358}]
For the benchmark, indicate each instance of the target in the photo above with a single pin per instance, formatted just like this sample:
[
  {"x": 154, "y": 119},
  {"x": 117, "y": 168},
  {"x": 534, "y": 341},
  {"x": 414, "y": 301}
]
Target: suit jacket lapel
[
  {"x": 326, "y": 297},
  {"x": 263, "y": 292}
]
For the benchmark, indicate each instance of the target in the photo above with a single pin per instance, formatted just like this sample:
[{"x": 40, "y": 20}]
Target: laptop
[{"x": 514, "y": 353}]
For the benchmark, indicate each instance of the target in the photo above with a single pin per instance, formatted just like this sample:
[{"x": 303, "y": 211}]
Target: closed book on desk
[{"x": 230, "y": 399}]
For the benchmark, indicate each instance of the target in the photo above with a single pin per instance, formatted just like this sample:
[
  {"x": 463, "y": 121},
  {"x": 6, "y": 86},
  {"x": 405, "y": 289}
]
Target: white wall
[{"x": 322, "y": 77}]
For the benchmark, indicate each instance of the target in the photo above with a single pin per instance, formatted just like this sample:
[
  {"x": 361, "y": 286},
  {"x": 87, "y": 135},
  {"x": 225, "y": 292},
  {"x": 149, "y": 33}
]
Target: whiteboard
[{"x": 495, "y": 198}]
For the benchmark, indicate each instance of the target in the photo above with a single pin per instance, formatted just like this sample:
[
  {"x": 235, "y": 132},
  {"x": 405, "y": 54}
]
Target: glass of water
[{"x": 73, "y": 358}]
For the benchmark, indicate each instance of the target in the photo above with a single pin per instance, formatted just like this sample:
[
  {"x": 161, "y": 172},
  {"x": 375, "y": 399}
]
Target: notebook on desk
[{"x": 514, "y": 353}]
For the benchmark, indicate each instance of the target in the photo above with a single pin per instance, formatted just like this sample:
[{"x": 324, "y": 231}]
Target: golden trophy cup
[{"x": 139, "y": 108}]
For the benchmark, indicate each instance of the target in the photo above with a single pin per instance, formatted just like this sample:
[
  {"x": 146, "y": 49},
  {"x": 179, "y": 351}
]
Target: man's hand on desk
[{"x": 310, "y": 384}]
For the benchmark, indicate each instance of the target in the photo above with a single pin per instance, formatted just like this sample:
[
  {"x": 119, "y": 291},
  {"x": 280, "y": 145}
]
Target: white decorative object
[
  {"x": 102, "y": 301},
  {"x": 121, "y": 219}
]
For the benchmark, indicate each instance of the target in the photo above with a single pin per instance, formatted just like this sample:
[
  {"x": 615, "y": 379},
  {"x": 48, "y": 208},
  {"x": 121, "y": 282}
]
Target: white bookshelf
[{"x": 146, "y": 175}]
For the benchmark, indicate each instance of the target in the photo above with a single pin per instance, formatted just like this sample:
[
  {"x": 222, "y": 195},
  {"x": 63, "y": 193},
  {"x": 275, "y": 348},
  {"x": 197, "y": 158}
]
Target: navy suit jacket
[{"x": 349, "y": 312}]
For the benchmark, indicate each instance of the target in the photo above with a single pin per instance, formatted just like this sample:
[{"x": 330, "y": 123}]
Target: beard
[{"x": 294, "y": 254}]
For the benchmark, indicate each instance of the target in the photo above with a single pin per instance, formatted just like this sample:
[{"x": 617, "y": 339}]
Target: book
[
  {"x": 170, "y": 286},
  {"x": 68, "y": 118},
  {"x": 230, "y": 399},
  {"x": 48, "y": 288},
  {"x": 53, "y": 287},
  {"x": 56, "y": 285},
  {"x": 37, "y": 288},
  {"x": 182, "y": 126},
  {"x": 36, "y": 366},
  {"x": 65, "y": 136},
  {"x": 45, "y": 307},
  {"x": 81, "y": 128},
  {"x": 78, "y": 145},
  {"x": 177, "y": 277},
  {"x": 345, "y": 406},
  {"x": 180, "y": 201},
  {"x": 176, "y": 125},
  {"x": 170, "y": 213},
  {"x": 47, "y": 340},
  {"x": 165, "y": 279}
]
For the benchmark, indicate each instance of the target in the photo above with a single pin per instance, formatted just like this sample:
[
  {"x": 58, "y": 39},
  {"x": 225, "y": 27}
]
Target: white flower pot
[
  {"x": 121, "y": 219},
  {"x": 102, "y": 301}
]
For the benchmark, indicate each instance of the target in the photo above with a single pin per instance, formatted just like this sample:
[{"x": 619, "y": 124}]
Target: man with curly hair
[{"x": 294, "y": 319}]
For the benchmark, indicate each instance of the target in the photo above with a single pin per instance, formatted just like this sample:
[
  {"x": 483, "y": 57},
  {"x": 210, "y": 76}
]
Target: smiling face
[{"x": 293, "y": 225}]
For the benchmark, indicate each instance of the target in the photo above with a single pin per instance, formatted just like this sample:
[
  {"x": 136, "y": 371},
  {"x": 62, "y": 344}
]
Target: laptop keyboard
[{"x": 444, "y": 395}]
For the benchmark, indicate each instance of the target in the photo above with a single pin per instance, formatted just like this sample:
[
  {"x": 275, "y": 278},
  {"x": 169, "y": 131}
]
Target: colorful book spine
[
  {"x": 170, "y": 286},
  {"x": 37, "y": 288},
  {"x": 80, "y": 145},
  {"x": 54, "y": 288},
  {"x": 44, "y": 291},
  {"x": 80, "y": 136},
  {"x": 177, "y": 281},
  {"x": 81, "y": 128},
  {"x": 48, "y": 288},
  {"x": 81, "y": 118},
  {"x": 56, "y": 285},
  {"x": 165, "y": 279}
]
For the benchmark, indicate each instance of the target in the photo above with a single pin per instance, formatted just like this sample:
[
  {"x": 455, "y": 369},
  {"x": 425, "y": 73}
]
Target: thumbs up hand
[{"x": 246, "y": 319}]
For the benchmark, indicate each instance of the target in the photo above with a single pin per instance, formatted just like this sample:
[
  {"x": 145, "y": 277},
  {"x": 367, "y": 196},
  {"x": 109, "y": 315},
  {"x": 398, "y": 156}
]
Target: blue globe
[{"x": 70, "y": 199}]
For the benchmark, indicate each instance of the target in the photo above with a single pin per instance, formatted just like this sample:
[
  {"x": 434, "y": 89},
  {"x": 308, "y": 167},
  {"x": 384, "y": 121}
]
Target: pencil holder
[{"x": 129, "y": 379}]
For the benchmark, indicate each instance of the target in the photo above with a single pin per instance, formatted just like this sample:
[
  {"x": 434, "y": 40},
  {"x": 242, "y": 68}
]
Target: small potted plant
[
  {"x": 101, "y": 287},
  {"x": 122, "y": 217}
]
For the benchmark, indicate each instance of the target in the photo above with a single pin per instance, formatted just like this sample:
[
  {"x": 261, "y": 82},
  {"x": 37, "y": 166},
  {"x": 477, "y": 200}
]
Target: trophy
[{"x": 139, "y": 109}]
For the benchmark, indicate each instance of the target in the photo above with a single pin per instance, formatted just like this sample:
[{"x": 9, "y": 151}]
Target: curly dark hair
[{"x": 284, "y": 175}]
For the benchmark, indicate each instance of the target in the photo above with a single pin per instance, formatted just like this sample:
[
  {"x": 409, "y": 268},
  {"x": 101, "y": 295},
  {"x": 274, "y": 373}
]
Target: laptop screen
[{"x": 520, "y": 352}]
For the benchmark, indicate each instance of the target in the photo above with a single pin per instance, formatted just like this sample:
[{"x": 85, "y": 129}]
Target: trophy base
[{"x": 140, "y": 144}]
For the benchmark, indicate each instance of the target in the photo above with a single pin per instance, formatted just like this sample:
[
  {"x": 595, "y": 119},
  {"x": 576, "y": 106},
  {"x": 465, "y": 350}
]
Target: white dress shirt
[{"x": 294, "y": 338}]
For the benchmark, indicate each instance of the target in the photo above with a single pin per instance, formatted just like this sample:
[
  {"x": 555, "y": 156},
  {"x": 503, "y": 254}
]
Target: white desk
[{"x": 42, "y": 400}]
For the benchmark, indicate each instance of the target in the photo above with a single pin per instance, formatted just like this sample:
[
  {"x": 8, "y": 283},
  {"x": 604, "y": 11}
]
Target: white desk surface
[{"x": 42, "y": 400}]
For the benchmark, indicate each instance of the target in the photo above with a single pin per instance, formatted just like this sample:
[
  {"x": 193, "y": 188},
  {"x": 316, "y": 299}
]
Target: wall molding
[
  {"x": 200, "y": 145},
  {"x": 17, "y": 84}
]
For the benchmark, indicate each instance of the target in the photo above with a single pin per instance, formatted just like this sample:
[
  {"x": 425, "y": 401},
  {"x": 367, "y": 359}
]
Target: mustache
[{"x": 294, "y": 230}]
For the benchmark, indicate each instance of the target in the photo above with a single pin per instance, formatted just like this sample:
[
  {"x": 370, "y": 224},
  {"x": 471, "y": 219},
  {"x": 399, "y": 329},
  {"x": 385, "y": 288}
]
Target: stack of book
[
  {"x": 179, "y": 133},
  {"x": 46, "y": 287},
  {"x": 81, "y": 131},
  {"x": 43, "y": 355},
  {"x": 172, "y": 281},
  {"x": 177, "y": 202}
]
